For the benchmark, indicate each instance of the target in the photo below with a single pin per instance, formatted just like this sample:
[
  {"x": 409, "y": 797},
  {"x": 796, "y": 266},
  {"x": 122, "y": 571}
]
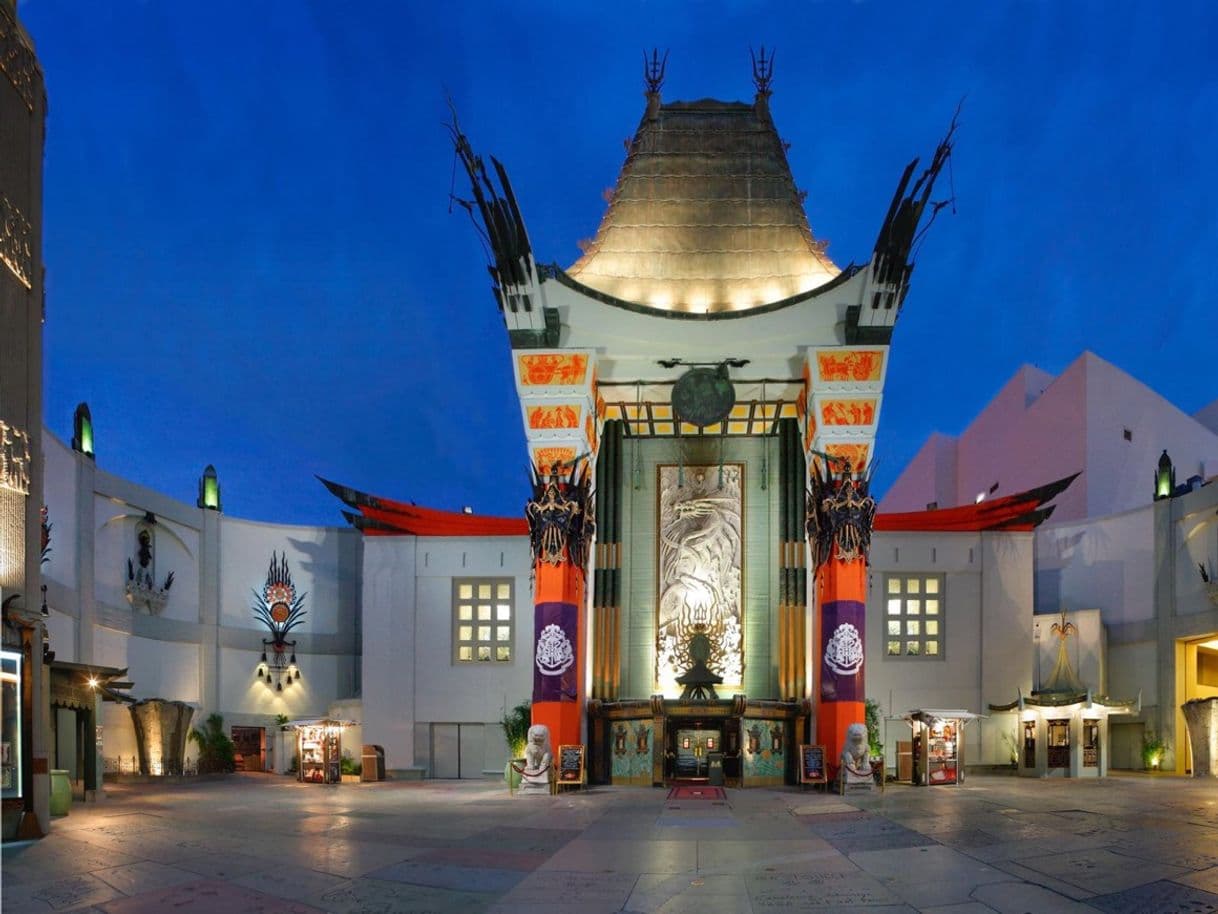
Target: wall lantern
[
  {"x": 209, "y": 489},
  {"x": 280, "y": 609},
  {"x": 1165, "y": 478},
  {"x": 82, "y": 430}
]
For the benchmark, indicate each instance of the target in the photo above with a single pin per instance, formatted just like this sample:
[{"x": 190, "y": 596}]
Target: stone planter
[
  {"x": 61, "y": 792},
  {"x": 1201, "y": 716}
]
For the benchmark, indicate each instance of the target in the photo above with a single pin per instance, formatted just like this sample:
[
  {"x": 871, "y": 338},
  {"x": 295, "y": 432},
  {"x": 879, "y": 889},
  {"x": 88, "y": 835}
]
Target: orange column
[
  {"x": 841, "y": 607},
  {"x": 558, "y": 693}
]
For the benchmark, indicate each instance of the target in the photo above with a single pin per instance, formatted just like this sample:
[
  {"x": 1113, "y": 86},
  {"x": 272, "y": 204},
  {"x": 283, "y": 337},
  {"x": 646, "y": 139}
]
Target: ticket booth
[{"x": 938, "y": 746}]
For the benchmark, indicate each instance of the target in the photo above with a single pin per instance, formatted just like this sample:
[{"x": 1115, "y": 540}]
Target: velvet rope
[{"x": 524, "y": 772}]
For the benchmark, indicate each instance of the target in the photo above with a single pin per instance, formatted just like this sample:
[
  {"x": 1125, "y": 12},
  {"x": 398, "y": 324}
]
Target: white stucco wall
[{"x": 1105, "y": 562}]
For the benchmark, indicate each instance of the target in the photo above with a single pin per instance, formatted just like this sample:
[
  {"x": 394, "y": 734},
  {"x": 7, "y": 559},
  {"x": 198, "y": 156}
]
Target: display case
[
  {"x": 10, "y": 734},
  {"x": 937, "y": 746},
  {"x": 320, "y": 750}
]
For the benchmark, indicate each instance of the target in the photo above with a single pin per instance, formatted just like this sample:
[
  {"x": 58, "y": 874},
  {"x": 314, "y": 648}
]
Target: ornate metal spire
[
  {"x": 763, "y": 72},
  {"x": 653, "y": 71}
]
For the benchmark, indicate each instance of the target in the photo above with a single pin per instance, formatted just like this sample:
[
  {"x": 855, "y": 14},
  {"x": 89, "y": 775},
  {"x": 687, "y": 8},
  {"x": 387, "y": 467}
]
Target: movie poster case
[{"x": 10, "y": 733}]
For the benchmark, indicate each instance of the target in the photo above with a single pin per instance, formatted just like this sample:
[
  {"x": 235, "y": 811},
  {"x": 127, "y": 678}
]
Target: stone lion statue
[
  {"x": 537, "y": 758},
  {"x": 856, "y": 753}
]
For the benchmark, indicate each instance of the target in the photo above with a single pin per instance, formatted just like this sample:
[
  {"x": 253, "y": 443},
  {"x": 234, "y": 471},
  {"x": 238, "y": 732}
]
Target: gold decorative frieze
[
  {"x": 16, "y": 247},
  {"x": 17, "y": 60},
  {"x": 14, "y": 459}
]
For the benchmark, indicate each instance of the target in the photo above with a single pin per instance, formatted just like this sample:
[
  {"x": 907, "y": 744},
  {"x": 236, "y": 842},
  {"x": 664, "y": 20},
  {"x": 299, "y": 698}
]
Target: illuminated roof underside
[{"x": 705, "y": 215}]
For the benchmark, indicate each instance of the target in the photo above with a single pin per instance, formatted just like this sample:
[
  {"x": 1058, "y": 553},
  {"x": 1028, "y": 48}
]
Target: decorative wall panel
[{"x": 699, "y": 569}]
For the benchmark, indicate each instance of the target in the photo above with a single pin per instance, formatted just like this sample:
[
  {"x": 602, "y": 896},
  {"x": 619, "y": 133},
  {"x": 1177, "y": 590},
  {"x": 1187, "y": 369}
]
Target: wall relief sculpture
[
  {"x": 700, "y": 562},
  {"x": 142, "y": 590}
]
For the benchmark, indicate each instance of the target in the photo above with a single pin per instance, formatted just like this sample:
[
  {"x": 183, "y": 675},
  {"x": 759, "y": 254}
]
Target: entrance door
[
  {"x": 249, "y": 743},
  {"x": 691, "y": 751},
  {"x": 457, "y": 750}
]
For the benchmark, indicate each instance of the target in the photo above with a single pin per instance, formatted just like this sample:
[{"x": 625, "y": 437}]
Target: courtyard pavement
[{"x": 262, "y": 843}]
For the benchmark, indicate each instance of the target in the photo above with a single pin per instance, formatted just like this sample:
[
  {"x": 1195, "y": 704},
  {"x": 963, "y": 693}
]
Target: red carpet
[{"x": 697, "y": 793}]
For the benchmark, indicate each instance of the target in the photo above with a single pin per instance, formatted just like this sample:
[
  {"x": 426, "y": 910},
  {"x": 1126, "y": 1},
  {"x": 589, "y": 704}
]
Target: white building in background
[{"x": 1117, "y": 543}]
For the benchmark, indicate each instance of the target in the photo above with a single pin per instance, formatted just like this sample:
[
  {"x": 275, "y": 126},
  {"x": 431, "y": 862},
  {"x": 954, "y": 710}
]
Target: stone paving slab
[
  {"x": 286, "y": 880},
  {"x": 1205, "y": 879},
  {"x": 1162, "y": 897},
  {"x": 838, "y": 889},
  {"x": 928, "y": 876},
  {"x": 450, "y": 876},
  {"x": 206, "y": 897},
  {"x": 683, "y": 894},
  {"x": 141, "y": 877},
  {"x": 1100, "y": 870},
  {"x": 666, "y": 856},
  {"x": 1022, "y": 898},
  {"x": 556, "y": 890},
  {"x": 366, "y": 896},
  {"x": 64, "y": 894}
]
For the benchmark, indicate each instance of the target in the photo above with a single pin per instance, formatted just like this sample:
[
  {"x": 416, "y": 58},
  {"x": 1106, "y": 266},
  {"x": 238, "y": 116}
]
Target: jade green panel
[
  {"x": 765, "y": 748},
  {"x": 760, "y": 575},
  {"x": 631, "y": 747}
]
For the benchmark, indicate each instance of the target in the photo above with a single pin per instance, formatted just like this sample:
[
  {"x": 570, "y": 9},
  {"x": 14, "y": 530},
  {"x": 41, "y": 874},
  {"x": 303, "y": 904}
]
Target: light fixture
[
  {"x": 209, "y": 489},
  {"x": 93, "y": 683},
  {"x": 82, "y": 430},
  {"x": 1165, "y": 477}
]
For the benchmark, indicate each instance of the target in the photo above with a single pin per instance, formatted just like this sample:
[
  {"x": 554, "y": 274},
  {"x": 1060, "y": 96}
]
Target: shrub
[
  {"x": 348, "y": 765},
  {"x": 1153, "y": 748},
  {"x": 216, "y": 750},
  {"x": 871, "y": 715},
  {"x": 516, "y": 723}
]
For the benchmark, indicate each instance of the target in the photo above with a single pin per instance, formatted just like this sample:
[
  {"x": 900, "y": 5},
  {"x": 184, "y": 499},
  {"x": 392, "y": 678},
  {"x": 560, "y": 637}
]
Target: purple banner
[
  {"x": 555, "y": 646},
  {"x": 841, "y": 661}
]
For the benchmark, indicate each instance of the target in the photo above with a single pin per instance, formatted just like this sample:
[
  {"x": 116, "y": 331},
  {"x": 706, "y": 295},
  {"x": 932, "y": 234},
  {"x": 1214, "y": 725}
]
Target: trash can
[
  {"x": 61, "y": 792},
  {"x": 372, "y": 763},
  {"x": 714, "y": 769}
]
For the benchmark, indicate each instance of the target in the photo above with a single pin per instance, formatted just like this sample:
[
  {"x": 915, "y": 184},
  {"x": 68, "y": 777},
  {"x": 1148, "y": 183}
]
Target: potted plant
[
  {"x": 516, "y": 723},
  {"x": 871, "y": 716}
]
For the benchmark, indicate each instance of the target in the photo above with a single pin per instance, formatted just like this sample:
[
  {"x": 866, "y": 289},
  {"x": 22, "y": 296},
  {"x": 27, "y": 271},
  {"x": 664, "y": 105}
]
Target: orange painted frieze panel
[
  {"x": 590, "y": 433},
  {"x": 564, "y": 369},
  {"x": 855, "y": 411},
  {"x": 565, "y": 415},
  {"x": 857, "y": 454},
  {"x": 851, "y": 365},
  {"x": 544, "y": 458}
]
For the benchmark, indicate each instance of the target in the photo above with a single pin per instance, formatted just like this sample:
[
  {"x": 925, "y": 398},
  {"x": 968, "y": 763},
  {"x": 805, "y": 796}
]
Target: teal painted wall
[{"x": 760, "y": 531}]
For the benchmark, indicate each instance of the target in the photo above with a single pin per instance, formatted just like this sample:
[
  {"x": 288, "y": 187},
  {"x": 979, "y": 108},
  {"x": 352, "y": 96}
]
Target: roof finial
[
  {"x": 653, "y": 71},
  {"x": 763, "y": 72}
]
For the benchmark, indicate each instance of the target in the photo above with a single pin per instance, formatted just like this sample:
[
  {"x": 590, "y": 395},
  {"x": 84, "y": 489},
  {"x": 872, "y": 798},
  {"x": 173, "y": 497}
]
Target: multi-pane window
[
  {"x": 483, "y": 620},
  {"x": 913, "y": 615}
]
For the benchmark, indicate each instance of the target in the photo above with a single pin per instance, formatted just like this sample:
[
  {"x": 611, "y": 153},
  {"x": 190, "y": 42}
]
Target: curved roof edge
[{"x": 554, "y": 271}]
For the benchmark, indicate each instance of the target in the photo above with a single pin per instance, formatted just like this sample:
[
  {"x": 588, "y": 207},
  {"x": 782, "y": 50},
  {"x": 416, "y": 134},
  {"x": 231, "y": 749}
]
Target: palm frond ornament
[{"x": 280, "y": 609}]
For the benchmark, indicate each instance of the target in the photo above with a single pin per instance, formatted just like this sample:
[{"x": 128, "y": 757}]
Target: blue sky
[{"x": 251, "y": 262}]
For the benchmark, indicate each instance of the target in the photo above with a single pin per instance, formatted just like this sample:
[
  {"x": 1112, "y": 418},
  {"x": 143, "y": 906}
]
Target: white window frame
[
  {"x": 480, "y": 633},
  {"x": 915, "y": 603}
]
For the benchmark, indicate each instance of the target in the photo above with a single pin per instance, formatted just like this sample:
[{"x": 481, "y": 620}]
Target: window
[
  {"x": 484, "y": 620},
  {"x": 914, "y": 616}
]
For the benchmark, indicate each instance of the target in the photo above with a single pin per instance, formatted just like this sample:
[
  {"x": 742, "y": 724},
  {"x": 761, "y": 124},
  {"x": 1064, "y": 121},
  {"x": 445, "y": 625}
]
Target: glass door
[{"x": 691, "y": 752}]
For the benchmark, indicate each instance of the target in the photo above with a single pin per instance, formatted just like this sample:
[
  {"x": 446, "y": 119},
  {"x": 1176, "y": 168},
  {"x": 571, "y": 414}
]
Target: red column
[
  {"x": 841, "y": 601},
  {"x": 558, "y": 591}
]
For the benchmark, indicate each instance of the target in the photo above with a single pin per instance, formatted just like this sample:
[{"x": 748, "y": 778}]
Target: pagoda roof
[
  {"x": 705, "y": 216},
  {"x": 385, "y": 517}
]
